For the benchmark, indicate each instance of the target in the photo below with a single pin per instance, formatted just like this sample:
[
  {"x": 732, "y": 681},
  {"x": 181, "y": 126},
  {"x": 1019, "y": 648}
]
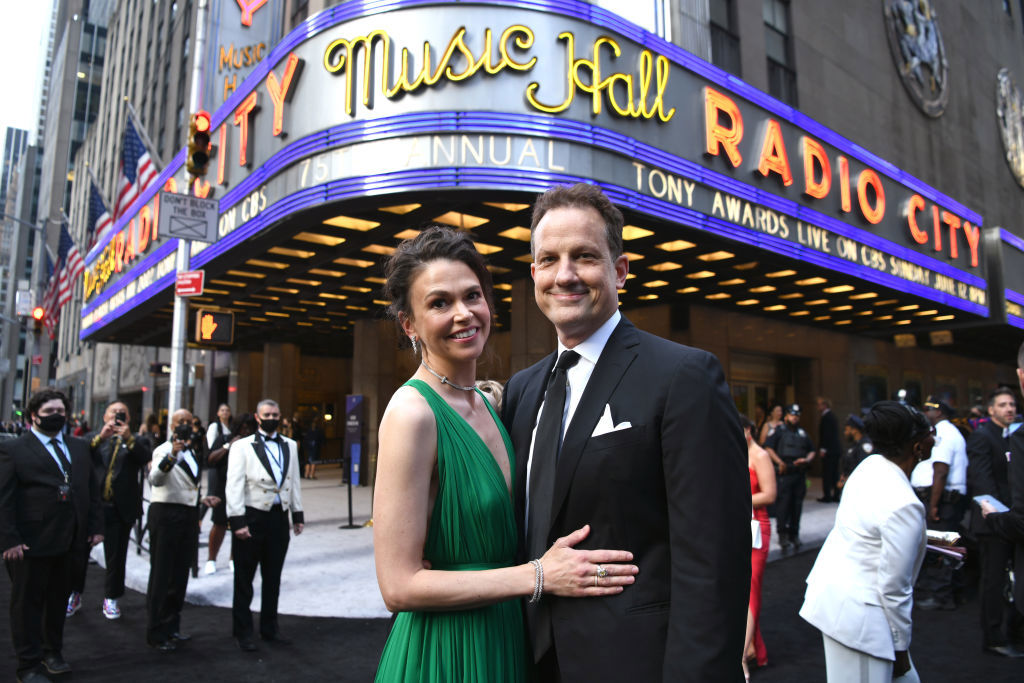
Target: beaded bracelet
[{"x": 538, "y": 581}]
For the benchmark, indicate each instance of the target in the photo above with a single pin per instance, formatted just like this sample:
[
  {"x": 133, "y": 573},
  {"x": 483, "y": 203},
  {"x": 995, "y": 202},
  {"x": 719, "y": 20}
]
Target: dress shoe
[
  {"x": 181, "y": 637},
  {"x": 33, "y": 677},
  {"x": 826, "y": 499},
  {"x": 163, "y": 646},
  {"x": 56, "y": 665},
  {"x": 1004, "y": 651},
  {"x": 932, "y": 605},
  {"x": 276, "y": 639},
  {"x": 247, "y": 644}
]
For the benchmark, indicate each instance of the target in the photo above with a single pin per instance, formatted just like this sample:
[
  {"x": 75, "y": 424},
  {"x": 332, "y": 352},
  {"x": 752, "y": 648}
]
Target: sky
[{"x": 23, "y": 34}]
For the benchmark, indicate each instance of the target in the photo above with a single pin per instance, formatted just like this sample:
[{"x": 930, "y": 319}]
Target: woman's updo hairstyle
[
  {"x": 893, "y": 425},
  {"x": 435, "y": 242}
]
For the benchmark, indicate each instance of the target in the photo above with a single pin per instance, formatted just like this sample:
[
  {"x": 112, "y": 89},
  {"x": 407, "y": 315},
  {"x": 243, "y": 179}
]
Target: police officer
[
  {"x": 859, "y": 447},
  {"x": 792, "y": 451}
]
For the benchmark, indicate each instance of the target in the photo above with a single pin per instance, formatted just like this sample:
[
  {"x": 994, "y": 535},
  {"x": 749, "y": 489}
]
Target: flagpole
[
  {"x": 144, "y": 134},
  {"x": 179, "y": 328}
]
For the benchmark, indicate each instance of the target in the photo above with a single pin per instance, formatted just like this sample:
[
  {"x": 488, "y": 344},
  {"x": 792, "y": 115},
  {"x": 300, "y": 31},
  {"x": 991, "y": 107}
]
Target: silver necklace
[{"x": 445, "y": 380}]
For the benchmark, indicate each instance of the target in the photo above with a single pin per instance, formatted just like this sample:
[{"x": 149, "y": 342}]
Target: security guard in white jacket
[{"x": 262, "y": 487}]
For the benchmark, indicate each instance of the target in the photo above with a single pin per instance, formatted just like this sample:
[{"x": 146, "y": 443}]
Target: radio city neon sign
[{"x": 723, "y": 134}]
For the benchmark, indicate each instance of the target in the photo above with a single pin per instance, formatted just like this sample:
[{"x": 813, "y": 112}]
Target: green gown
[{"x": 472, "y": 527}]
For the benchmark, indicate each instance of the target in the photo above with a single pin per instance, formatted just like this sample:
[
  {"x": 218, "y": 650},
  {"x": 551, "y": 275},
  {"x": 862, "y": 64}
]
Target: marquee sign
[{"x": 499, "y": 95}]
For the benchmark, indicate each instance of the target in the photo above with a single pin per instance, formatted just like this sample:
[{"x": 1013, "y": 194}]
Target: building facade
[{"x": 825, "y": 195}]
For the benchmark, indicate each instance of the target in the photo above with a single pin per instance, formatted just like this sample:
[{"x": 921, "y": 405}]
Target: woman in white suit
[{"x": 861, "y": 589}]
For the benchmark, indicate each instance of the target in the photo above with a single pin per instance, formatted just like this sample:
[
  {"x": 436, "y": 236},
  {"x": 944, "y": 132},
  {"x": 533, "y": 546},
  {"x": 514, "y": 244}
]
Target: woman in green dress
[{"x": 444, "y": 531}]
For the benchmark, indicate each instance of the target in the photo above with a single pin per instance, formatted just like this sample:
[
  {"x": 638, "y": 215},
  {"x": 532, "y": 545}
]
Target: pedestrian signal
[{"x": 214, "y": 327}]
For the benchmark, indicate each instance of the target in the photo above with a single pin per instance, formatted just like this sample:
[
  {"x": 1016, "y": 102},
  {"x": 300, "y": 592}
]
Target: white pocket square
[{"x": 607, "y": 425}]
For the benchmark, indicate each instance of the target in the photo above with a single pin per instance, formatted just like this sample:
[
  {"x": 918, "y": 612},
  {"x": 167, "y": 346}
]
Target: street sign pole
[{"x": 179, "y": 327}]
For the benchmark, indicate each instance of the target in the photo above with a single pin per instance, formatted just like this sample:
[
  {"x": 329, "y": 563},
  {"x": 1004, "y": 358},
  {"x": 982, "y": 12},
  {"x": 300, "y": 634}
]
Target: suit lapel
[
  {"x": 188, "y": 470},
  {"x": 616, "y": 357},
  {"x": 261, "y": 453},
  {"x": 524, "y": 420},
  {"x": 44, "y": 454},
  {"x": 284, "y": 459}
]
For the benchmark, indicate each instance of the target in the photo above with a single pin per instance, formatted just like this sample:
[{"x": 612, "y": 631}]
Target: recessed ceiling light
[
  {"x": 245, "y": 273},
  {"x": 931, "y": 312},
  {"x": 943, "y": 317},
  {"x": 407, "y": 234},
  {"x": 665, "y": 266},
  {"x": 823, "y": 317},
  {"x": 276, "y": 314},
  {"x": 647, "y": 297},
  {"x": 507, "y": 206},
  {"x": 326, "y": 273},
  {"x": 247, "y": 303},
  {"x": 798, "y": 314},
  {"x": 630, "y": 276},
  {"x": 312, "y": 303},
  {"x": 299, "y": 281},
  {"x": 633, "y": 257},
  {"x": 762, "y": 289},
  {"x": 884, "y": 317},
  {"x": 716, "y": 256},
  {"x": 283, "y": 290},
  {"x": 507, "y": 300},
  {"x": 225, "y": 283},
  {"x": 267, "y": 297},
  {"x": 257, "y": 318},
  {"x": 356, "y": 308},
  {"x": 207, "y": 290},
  {"x": 845, "y": 307},
  {"x": 811, "y": 281},
  {"x": 329, "y": 295},
  {"x": 676, "y": 245},
  {"x": 517, "y": 233},
  {"x": 318, "y": 318},
  {"x": 376, "y": 280},
  {"x": 734, "y": 281},
  {"x": 296, "y": 253},
  {"x": 867, "y": 312},
  {"x": 632, "y": 232},
  {"x": 792, "y": 295},
  {"x": 780, "y": 273},
  {"x": 902, "y": 322},
  {"x": 776, "y": 307},
  {"x": 908, "y": 307},
  {"x": 504, "y": 286},
  {"x": 838, "y": 289},
  {"x": 749, "y": 265},
  {"x": 354, "y": 262},
  {"x": 461, "y": 220},
  {"x": 717, "y": 296},
  {"x": 354, "y": 288},
  {"x": 864, "y": 295},
  {"x": 350, "y": 223},
  {"x": 486, "y": 249},
  {"x": 400, "y": 209},
  {"x": 318, "y": 238},
  {"x": 267, "y": 264},
  {"x": 747, "y": 302},
  {"x": 688, "y": 290},
  {"x": 301, "y": 323},
  {"x": 843, "y": 322},
  {"x": 884, "y": 302},
  {"x": 525, "y": 258},
  {"x": 379, "y": 249},
  {"x": 655, "y": 283},
  {"x": 816, "y": 302},
  {"x": 381, "y": 302},
  {"x": 700, "y": 275},
  {"x": 294, "y": 308}
]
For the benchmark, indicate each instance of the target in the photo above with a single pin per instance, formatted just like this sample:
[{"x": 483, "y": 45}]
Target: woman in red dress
[{"x": 762, "y": 494}]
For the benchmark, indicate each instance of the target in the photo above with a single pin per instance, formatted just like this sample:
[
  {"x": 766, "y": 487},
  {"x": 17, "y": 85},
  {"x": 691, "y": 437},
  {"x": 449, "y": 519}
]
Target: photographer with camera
[
  {"x": 173, "y": 529},
  {"x": 118, "y": 457}
]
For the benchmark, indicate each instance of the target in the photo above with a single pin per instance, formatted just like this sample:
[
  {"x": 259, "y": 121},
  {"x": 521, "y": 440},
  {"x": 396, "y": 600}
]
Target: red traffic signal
[
  {"x": 38, "y": 313},
  {"x": 197, "y": 159}
]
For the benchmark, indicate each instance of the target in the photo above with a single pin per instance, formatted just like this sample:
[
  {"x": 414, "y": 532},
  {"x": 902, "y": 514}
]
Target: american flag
[
  {"x": 137, "y": 170},
  {"x": 62, "y": 279},
  {"x": 100, "y": 220}
]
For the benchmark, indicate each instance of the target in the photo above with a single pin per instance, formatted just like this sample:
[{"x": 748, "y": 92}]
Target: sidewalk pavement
[{"x": 329, "y": 571}]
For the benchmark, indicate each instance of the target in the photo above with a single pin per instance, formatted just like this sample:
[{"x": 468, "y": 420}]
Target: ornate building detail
[
  {"x": 918, "y": 51},
  {"x": 1010, "y": 112}
]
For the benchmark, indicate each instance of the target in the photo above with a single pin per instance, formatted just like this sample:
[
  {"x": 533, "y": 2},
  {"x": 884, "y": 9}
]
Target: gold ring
[
  {"x": 601, "y": 571},
  {"x": 596, "y": 584}
]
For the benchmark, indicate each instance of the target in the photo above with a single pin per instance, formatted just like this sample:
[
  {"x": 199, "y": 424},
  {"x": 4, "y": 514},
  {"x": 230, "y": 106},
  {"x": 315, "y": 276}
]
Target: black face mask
[
  {"x": 51, "y": 423},
  {"x": 269, "y": 426}
]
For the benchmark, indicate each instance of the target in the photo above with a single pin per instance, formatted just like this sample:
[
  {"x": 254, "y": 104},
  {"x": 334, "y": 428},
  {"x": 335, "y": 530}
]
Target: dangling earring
[{"x": 415, "y": 346}]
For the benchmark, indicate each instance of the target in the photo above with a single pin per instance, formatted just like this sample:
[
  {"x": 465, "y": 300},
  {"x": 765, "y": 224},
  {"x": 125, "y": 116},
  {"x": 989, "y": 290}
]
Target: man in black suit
[
  {"x": 988, "y": 450},
  {"x": 49, "y": 510},
  {"x": 118, "y": 456},
  {"x": 829, "y": 450},
  {"x": 652, "y": 458}
]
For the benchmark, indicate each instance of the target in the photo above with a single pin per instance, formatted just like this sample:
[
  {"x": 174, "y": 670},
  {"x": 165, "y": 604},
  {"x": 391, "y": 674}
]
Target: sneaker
[
  {"x": 74, "y": 603},
  {"x": 210, "y": 568},
  {"x": 110, "y": 609}
]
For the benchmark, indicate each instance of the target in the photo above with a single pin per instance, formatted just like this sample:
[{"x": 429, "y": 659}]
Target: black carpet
[{"x": 946, "y": 645}]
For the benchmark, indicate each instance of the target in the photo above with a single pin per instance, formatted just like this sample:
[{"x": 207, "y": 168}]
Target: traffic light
[
  {"x": 214, "y": 327},
  {"x": 38, "y": 313},
  {"x": 198, "y": 159}
]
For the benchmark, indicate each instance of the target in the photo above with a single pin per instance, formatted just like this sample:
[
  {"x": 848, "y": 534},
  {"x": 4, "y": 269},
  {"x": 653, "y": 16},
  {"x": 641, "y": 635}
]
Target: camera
[
  {"x": 187, "y": 436},
  {"x": 120, "y": 417}
]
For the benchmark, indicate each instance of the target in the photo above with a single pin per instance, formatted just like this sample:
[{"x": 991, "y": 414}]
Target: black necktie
[
  {"x": 55, "y": 445},
  {"x": 546, "y": 445}
]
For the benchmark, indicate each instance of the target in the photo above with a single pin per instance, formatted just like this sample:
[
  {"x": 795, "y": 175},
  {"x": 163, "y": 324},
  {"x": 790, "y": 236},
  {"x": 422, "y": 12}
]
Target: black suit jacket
[
  {"x": 987, "y": 469},
  {"x": 127, "y": 488},
  {"x": 828, "y": 435},
  {"x": 30, "y": 511},
  {"x": 1010, "y": 525},
  {"x": 673, "y": 489}
]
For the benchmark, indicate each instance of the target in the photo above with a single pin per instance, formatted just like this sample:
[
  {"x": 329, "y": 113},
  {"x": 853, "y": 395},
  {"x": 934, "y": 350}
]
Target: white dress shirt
[
  {"x": 276, "y": 459},
  {"x": 577, "y": 376}
]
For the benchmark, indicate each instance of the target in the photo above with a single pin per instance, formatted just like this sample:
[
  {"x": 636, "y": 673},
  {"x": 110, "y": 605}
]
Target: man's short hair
[
  {"x": 267, "y": 402},
  {"x": 581, "y": 195},
  {"x": 1002, "y": 390},
  {"x": 45, "y": 395}
]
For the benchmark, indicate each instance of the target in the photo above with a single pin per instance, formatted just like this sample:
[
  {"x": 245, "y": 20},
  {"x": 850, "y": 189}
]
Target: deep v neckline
[{"x": 509, "y": 484}]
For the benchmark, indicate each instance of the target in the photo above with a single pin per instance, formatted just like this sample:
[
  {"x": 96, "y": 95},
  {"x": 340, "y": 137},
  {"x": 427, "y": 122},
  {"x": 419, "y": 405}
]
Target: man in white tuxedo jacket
[{"x": 262, "y": 488}]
